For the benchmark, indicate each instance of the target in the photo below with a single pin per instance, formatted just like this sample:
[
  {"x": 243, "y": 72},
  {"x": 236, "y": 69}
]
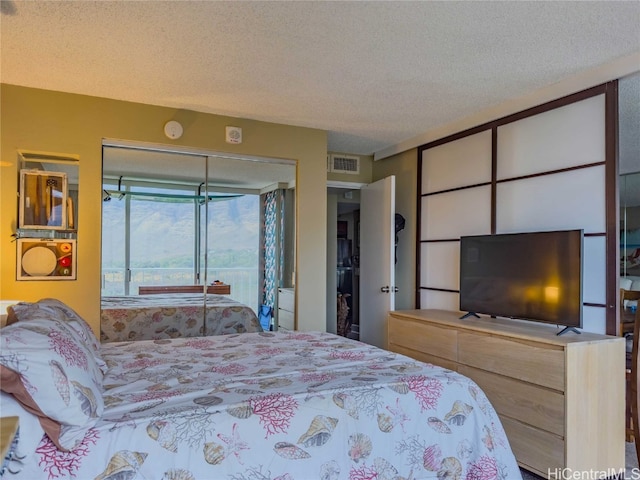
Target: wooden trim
[
  {"x": 612, "y": 207},
  {"x": 441, "y": 240},
  {"x": 418, "y": 228},
  {"x": 494, "y": 177},
  {"x": 155, "y": 289},
  {"x": 456, "y": 189},
  {"x": 434, "y": 289},
  {"x": 551, "y": 172}
]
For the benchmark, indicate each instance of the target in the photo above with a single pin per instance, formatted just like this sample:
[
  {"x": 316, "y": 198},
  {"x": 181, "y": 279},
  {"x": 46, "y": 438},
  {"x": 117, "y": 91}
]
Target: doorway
[
  {"x": 348, "y": 269},
  {"x": 343, "y": 269},
  {"x": 360, "y": 264}
]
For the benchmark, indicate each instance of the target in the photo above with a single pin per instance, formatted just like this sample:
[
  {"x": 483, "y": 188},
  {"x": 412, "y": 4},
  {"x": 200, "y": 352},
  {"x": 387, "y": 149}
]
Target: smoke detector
[{"x": 173, "y": 129}]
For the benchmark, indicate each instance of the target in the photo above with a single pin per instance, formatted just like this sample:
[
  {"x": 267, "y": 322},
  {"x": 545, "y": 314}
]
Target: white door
[{"x": 377, "y": 258}]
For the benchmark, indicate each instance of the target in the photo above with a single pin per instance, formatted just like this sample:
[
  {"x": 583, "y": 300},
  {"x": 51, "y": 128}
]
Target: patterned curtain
[{"x": 271, "y": 243}]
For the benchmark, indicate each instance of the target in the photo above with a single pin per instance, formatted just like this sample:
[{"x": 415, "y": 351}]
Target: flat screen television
[{"x": 532, "y": 276}]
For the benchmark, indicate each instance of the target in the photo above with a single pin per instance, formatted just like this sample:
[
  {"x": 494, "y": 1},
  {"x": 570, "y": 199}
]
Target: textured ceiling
[{"x": 373, "y": 74}]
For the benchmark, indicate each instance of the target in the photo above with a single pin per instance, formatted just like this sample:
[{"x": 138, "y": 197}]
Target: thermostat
[{"x": 233, "y": 134}]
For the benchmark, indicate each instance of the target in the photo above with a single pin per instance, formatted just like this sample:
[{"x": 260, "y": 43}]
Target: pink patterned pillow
[
  {"x": 48, "y": 369},
  {"x": 55, "y": 309}
]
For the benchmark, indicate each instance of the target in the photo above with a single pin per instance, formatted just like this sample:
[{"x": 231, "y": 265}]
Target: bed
[
  {"x": 154, "y": 317},
  {"x": 250, "y": 406}
]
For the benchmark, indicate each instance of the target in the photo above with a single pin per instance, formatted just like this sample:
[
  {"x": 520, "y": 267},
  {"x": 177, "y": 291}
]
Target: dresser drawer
[
  {"x": 536, "y": 450},
  {"x": 532, "y": 404},
  {"x": 534, "y": 363},
  {"x": 424, "y": 357},
  {"x": 427, "y": 339}
]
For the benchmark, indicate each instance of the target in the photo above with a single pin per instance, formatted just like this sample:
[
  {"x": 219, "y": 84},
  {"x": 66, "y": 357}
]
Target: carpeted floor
[{"x": 630, "y": 460}]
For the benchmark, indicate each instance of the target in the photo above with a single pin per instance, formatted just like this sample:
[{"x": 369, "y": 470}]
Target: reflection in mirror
[
  {"x": 629, "y": 167},
  {"x": 630, "y": 224},
  {"x": 176, "y": 221}
]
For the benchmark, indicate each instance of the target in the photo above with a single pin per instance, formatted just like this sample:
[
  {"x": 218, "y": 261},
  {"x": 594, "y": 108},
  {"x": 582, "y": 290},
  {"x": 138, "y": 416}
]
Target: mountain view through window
[{"x": 162, "y": 245}]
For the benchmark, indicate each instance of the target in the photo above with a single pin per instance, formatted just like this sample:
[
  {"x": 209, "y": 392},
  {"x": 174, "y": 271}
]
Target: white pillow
[
  {"x": 30, "y": 432},
  {"x": 47, "y": 368}
]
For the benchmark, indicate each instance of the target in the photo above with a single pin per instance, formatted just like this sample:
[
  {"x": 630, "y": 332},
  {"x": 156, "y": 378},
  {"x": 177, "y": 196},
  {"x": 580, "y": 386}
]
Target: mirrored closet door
[{"x": 189, "y": 247}]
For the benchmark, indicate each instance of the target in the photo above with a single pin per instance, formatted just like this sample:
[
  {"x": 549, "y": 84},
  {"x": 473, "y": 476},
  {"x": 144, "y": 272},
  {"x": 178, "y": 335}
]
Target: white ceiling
[{"x": 373, "y": 74}]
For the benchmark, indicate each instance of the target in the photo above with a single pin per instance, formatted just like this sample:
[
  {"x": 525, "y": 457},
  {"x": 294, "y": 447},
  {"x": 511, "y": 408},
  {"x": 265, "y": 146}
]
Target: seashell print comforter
[
  {"x": 286, "y": 406},
  {"x": 153, "y": 317}
]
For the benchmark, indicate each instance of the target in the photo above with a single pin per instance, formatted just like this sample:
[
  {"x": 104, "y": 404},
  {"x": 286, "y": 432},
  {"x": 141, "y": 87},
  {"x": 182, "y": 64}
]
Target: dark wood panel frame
[{"x": 610, "y": 92}]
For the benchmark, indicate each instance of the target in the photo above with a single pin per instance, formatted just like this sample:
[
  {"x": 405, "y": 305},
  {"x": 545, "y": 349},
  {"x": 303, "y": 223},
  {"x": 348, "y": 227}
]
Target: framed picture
[
  {"x": 53, "y": 259},
  {"x": 43, "y": 200}
]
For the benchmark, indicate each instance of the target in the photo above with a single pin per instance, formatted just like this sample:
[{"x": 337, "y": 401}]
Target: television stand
[
  {"x": 469, "y": 314},
  {"x": 560, "y": 399},
  {"x": 568, "y": 329}
]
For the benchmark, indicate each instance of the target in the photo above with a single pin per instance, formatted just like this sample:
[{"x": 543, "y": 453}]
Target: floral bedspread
[
  {"x": 154, "y": 317},
  {"x": 274, "y": 405}
]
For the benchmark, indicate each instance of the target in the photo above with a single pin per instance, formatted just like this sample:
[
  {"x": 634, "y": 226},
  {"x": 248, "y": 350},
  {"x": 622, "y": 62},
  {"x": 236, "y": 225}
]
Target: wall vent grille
[{"x": 343, "y": 164}]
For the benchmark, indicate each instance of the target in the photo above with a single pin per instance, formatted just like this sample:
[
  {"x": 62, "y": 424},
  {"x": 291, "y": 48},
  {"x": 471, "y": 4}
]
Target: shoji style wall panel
[
  {"x": 436, "y": 260},
  {"x": 593, "y": 282},
  {"x": 449, "y": 215},
  {"x": 455, "y": 201},
  {"x": 562, "y": 201},
  {"x": 455, "y": 164},
  {"x": 439, "y": 299},
  {"x": 543, "y": 169},
  {"x": 560, "y": 138},
  {"x": 565, "y": 149}
]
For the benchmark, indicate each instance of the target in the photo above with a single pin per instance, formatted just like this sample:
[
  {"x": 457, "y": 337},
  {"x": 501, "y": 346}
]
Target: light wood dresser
[{"x": 560, "y": 398}]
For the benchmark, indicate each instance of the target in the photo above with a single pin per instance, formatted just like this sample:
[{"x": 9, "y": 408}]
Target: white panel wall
[
  {"x": 561, "y": 201},
  {"x": 594, "y": 319},
  {"x": 440, "y": 262},
  {"x": 560, "y": 138},
  {"x": 564, "y": 139},
  {"x": 453, "y": 214},
  {"x": 464, "y": 162},
  {"x": 440, "y": 300},
  {"x": 594, "y": 275}
]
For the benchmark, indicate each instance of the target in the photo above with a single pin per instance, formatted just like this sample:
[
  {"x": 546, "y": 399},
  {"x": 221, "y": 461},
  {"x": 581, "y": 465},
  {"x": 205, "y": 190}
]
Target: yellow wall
[{"x": 55, "y": 122}]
